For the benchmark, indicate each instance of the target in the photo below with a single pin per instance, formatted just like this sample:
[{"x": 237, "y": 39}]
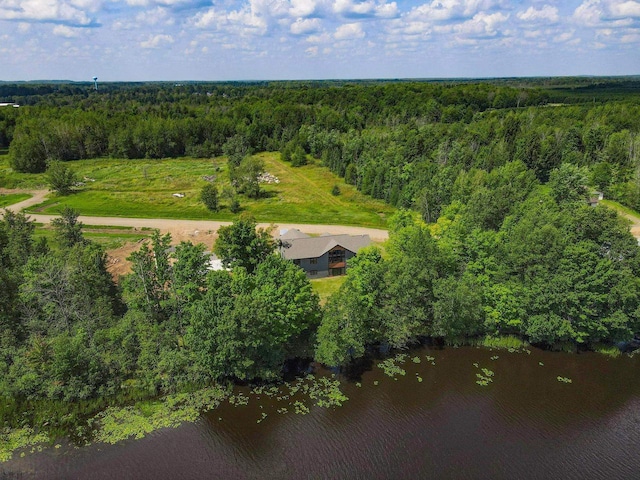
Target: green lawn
[
  {"x": 145, "y": 188},
  {"x": 108, "y": 237},
  {"x": 621, "y": 208},
  {"x": 12, "y": 198},
  {"x": 325, "y": 287}
]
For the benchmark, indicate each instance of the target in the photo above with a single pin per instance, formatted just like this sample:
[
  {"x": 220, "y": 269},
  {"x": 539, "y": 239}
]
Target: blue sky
[{"x": 138, "y": 40}]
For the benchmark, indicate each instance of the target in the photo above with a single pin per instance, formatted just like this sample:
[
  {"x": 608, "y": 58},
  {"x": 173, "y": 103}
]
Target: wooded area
[{"x": 494, "y": 236}]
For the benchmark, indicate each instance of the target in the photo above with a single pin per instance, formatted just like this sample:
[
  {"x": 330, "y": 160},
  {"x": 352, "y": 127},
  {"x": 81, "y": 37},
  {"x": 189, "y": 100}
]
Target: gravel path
[
  {"x": 38, "y": 196},
  {"x": 172, "y": 225}
]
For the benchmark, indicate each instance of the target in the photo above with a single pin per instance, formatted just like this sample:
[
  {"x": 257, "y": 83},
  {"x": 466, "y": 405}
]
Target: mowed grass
[
  {"x": 145, "y": 188},
  {"x": 12, "y": 198},
  {"x": 621, "y": 208},
  {"x": 325, "y": 287},
  {"x": 108, "y": 237}
]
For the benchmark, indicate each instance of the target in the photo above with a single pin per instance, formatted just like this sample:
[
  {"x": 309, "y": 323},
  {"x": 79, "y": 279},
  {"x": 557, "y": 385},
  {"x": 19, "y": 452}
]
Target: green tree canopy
[{"x": 241, "y": 244}]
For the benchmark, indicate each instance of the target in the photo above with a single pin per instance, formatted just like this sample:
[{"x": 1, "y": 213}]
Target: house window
[
  {"x": 336, "y": 256},
  {"x": 313, "y": 272},
  {"x": 296, "y": 261},
  {"x": 313, "y": 261}
]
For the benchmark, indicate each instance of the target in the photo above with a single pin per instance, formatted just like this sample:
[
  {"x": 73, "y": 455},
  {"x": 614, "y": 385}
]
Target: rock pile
[{"x": 266, "y": 177}]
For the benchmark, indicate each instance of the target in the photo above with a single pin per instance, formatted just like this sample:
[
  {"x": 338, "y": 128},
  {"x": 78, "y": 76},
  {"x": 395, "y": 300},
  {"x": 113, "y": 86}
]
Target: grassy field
[
  {"x": 11, "y": 179},
  {"x": 145, "y": 188},
  {"x": 621, "y": 208},
  {"x": 325, "y": 287},
  {"x": 108, "y": 237},
  {"x": 12, "y": 198}
]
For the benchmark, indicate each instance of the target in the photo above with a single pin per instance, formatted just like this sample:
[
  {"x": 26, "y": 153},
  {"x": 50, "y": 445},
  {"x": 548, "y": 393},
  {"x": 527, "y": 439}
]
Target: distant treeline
[{"x": 404, "y": 142}]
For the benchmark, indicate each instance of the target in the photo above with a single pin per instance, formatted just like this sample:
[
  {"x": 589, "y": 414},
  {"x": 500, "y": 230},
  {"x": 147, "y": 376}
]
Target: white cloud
[
  {"x": 588, "y": 13},
  {"x": 254, "y": 18},
  {"x": 349, "y": 31},
  {"x": 321, "y": 38},
  {"x": 303, "y": 8},
  {"x": 547, "y": 14},
  {"x": 592, "y": 13},
  {"x": 482, "y": 25},
  {"x": 155, "y": 16},
  {"x": 247, "y": 22},
  {"x": 58, "y": 11},
  {"x": 64, "y": 31},
  {"x": 164, "y": 3},
  {"x": 311, "y": 51},
  {"x": 448, "y": 10},
  {"x": 631, "y": 38},
  {"x": 563, "y": 37},
  {"x": 270, "y": 8},
  {"x": 305, "y": 25},
  {"x": 155, "y": 41},
  {"x": 368, "y": 8},
  {"x": 625, "y": 9}
]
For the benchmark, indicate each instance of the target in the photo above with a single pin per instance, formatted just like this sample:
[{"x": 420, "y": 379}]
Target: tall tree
[
  {"x": 68, "y": 229},
  {"x": 241, "y": 244},
  {"x": 61, "y": 178}
]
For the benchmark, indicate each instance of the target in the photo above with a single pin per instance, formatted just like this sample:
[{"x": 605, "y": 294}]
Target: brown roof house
[{"x": 323, "y": 256}]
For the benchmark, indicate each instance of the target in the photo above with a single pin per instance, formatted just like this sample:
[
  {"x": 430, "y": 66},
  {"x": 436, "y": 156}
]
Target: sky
[{"x": 210, "y": 40}]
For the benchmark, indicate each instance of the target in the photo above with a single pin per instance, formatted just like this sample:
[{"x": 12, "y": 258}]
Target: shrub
[
  {"x": 61, "y": 178},
  {"x": 209, "y": 196}
]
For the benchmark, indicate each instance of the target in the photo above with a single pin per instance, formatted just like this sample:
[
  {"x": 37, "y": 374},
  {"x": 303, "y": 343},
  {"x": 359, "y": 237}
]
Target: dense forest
[{"x": 493, "y": 237}]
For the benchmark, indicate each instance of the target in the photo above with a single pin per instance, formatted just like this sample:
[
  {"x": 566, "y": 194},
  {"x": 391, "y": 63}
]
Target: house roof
[
  {"x": 292, "y": 234},
  {"x": 314, "y": 247}
]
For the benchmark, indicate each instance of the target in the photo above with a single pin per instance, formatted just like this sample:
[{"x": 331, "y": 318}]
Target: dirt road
[
  {"x": 635, "y": 224},
  {"x": 187, "y": 227},
  {"x": 38, "y": 197}
]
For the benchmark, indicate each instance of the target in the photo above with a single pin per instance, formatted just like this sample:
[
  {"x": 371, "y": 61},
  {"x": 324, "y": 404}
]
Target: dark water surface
[{"x": 524, "y": 425}]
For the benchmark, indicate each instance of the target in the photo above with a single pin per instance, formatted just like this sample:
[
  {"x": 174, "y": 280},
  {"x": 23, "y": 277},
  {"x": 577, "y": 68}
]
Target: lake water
[{"x": 525, "y": 424}]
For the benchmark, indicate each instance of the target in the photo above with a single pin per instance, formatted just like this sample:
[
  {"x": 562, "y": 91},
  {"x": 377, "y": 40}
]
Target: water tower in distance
[{"x": 95, "y": 83}]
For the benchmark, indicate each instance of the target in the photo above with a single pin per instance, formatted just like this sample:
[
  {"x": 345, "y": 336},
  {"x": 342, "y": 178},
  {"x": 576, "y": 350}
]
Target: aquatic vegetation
[
  {"x": 262, "y": 417},
  {"x": 391, "y": 366},
  {"x": 326, "y": 392},
  {"x": 300, "y": 408},
  {"x": 564, "y": 379},
  {"x": 608, "y": 350},
  {"x": 508, "y": 342},
  {"x": 495, "y": 357},
  {"x": 416, "y": 360},
  {"x": 484, "y": 378},
  {"x": 12, "y": 440},
  {"x": 120, "y": 423},
  {"x": 238, "y": 400}
]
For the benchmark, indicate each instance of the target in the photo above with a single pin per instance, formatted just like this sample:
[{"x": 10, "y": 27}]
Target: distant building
[
  {"x": 323, "y": 256},
  {"x": 15, "y": 105},
  {"x": 214, "y": 262},
  {"x": 594, "y": 198}
]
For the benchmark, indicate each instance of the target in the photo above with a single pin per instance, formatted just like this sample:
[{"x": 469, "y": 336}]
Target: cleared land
[
  {"x": 631, "y": 215},
  {"x": 145, "y": 188},
  {"x": 325, "y": 287},
  {"x": 12, "y": 198}
]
